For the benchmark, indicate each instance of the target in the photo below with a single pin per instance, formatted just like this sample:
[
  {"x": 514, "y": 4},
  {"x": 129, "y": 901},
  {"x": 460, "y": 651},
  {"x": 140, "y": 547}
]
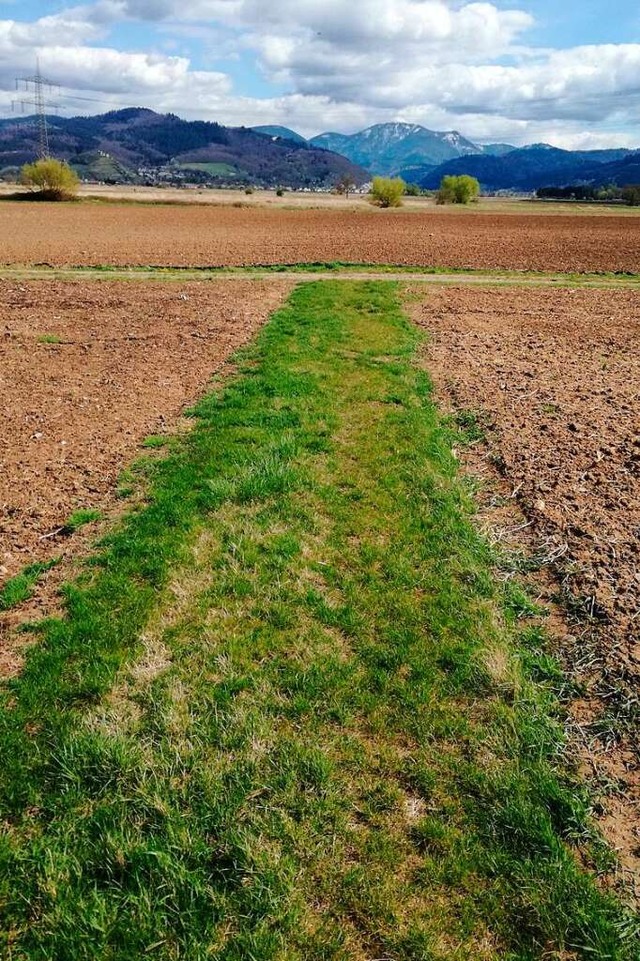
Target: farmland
[
  {"x": 552, "y": 377},
  {"x": 556, "y": 373},
  {"x": 299, "y": 703},
  {"x": 72, "y": 358},
  {"x": 204, "y": 236}
]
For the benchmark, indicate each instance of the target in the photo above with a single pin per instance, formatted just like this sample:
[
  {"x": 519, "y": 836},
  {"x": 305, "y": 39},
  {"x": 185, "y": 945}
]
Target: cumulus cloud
[
  {"x": 343, "y": 65},
  {"x": 406, "y": 32},
  {"x": 16, "y": 35}
]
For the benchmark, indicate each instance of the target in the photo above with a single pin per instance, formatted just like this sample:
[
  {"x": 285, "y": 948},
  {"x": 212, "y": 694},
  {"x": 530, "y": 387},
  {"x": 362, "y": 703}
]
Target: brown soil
[
  {"x": 131, "y": 356},
  {"x": 87, "y": 234},
  {"x": 558, "y": 371},
  {"x": 555, "y": 375}
]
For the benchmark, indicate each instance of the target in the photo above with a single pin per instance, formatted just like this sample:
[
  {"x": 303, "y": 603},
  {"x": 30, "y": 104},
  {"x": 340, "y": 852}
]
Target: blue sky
[
  {"x": 521, "y": 71},
  {"x": 566, "y": 23}
]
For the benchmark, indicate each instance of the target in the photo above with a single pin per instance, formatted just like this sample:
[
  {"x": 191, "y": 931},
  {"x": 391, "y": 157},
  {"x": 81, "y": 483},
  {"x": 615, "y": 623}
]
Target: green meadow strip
[{"x": 290, "y": 714}]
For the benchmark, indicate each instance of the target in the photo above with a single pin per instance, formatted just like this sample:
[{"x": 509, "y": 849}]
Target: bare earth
[
  {"x": 131, "y": 356},
  {"x": 556, "y": 375},
  {"x": 201, "y": 236}
]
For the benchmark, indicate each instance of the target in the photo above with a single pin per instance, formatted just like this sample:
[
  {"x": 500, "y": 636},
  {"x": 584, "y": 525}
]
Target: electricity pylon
[{"x": 36, "y": 85}]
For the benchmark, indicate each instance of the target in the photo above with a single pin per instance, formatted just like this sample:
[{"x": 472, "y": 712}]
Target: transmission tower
[{"x": 37, "y": 86}]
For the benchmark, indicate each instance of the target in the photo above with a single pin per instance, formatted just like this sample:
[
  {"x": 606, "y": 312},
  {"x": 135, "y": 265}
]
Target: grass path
[
  {"x": 306, "y": 273},
  {"x": 290, "y": 715}
]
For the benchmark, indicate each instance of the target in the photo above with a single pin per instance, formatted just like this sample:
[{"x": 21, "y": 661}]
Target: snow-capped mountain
[{"x": 387, "y": 148}]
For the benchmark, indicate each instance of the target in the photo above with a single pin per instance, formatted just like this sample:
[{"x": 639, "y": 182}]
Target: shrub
[
  {"x": 279, "y": 192},
  {"x": 51, "y": 179},
  {"x": 413, "y": 190},
  {"x": 387, "y": 191},
  {"x": 458, "y": 190}
]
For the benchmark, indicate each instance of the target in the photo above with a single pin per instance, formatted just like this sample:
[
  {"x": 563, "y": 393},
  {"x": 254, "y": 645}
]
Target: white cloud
[
  {"x": 344, "y": 65},
  {"x": 47, "y": 30}
]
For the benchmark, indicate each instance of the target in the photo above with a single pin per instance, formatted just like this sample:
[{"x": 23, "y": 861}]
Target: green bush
[
  {"x": 458, "y": 190},
  {"x": 413, "y": 190},
  {"x": 387, "y": 191},
  {"x": 51, "y": 179}
]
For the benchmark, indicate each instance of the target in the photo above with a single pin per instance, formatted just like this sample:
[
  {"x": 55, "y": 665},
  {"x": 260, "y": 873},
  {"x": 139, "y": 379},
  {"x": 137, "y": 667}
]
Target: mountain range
[
  {"x": 539, "y": 165},
  {"x": 136, "y": 145},
  {"x": 424, "y": 156}
]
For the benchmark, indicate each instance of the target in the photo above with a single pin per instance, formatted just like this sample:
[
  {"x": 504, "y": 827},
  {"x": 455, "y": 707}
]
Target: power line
[
  {"x": 36, "y": 85},
  {"x": 114, "y": 103}
]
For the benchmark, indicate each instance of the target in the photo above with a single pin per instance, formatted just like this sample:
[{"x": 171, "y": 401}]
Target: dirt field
[
  {"x": 555, "y": 375},
  {"x": 557, "y": 372},
  {"x": 67, "y": 235},
  {"x": 127, "y": 358}
]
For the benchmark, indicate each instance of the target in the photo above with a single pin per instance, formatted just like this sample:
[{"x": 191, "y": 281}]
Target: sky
[{"x": 565, "y": 72}]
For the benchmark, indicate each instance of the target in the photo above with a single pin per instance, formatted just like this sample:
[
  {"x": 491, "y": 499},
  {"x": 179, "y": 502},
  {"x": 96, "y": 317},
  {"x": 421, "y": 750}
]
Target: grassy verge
[
  {"x": 330, "y": 267},
  {"x": 289, "y": 714}
]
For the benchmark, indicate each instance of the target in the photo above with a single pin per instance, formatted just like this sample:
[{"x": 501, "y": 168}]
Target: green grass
[
  {"x": 49, "y": 339},
  {"x": 156, "y": 440},
  {"x": 79, "y": 518},
  {"x": 344, "y": 267},
  {"x": 214, "y": 169},
  {"x": 602, "y": 279},
  {"x": 19, "y": 589},
  {"x": 470, "y": 426},
  {"x": 290, "y": 715}
]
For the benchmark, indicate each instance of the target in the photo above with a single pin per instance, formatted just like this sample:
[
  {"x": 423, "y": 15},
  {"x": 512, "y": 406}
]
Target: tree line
[{"x": 629, "y": 194}]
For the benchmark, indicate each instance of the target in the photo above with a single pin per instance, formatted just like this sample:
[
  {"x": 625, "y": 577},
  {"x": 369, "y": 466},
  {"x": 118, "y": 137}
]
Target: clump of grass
[
  {"x": 49, "y": 339},
  {"x": 156, "y": 440},
  {"x": 470, "y": 426},
  {"x": 80, "y": 518},
  {"x": 286, "y": 716},
  {"x": 19, "y": 589}
]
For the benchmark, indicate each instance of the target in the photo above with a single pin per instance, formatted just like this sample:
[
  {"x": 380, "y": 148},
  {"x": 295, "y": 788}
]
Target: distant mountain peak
[{"x": 386, "y": 148}]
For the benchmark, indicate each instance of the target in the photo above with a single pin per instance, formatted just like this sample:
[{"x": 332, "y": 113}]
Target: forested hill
[
  {"x": 538, "y": 166},
  {"x": 138, "y": 144}
]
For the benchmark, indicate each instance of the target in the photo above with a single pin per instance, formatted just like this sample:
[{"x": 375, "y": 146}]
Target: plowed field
[
  {"x": 224, "y": 236},
  {"x": 558, "y": 374},
  {"x": 125, "y": 359}
]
